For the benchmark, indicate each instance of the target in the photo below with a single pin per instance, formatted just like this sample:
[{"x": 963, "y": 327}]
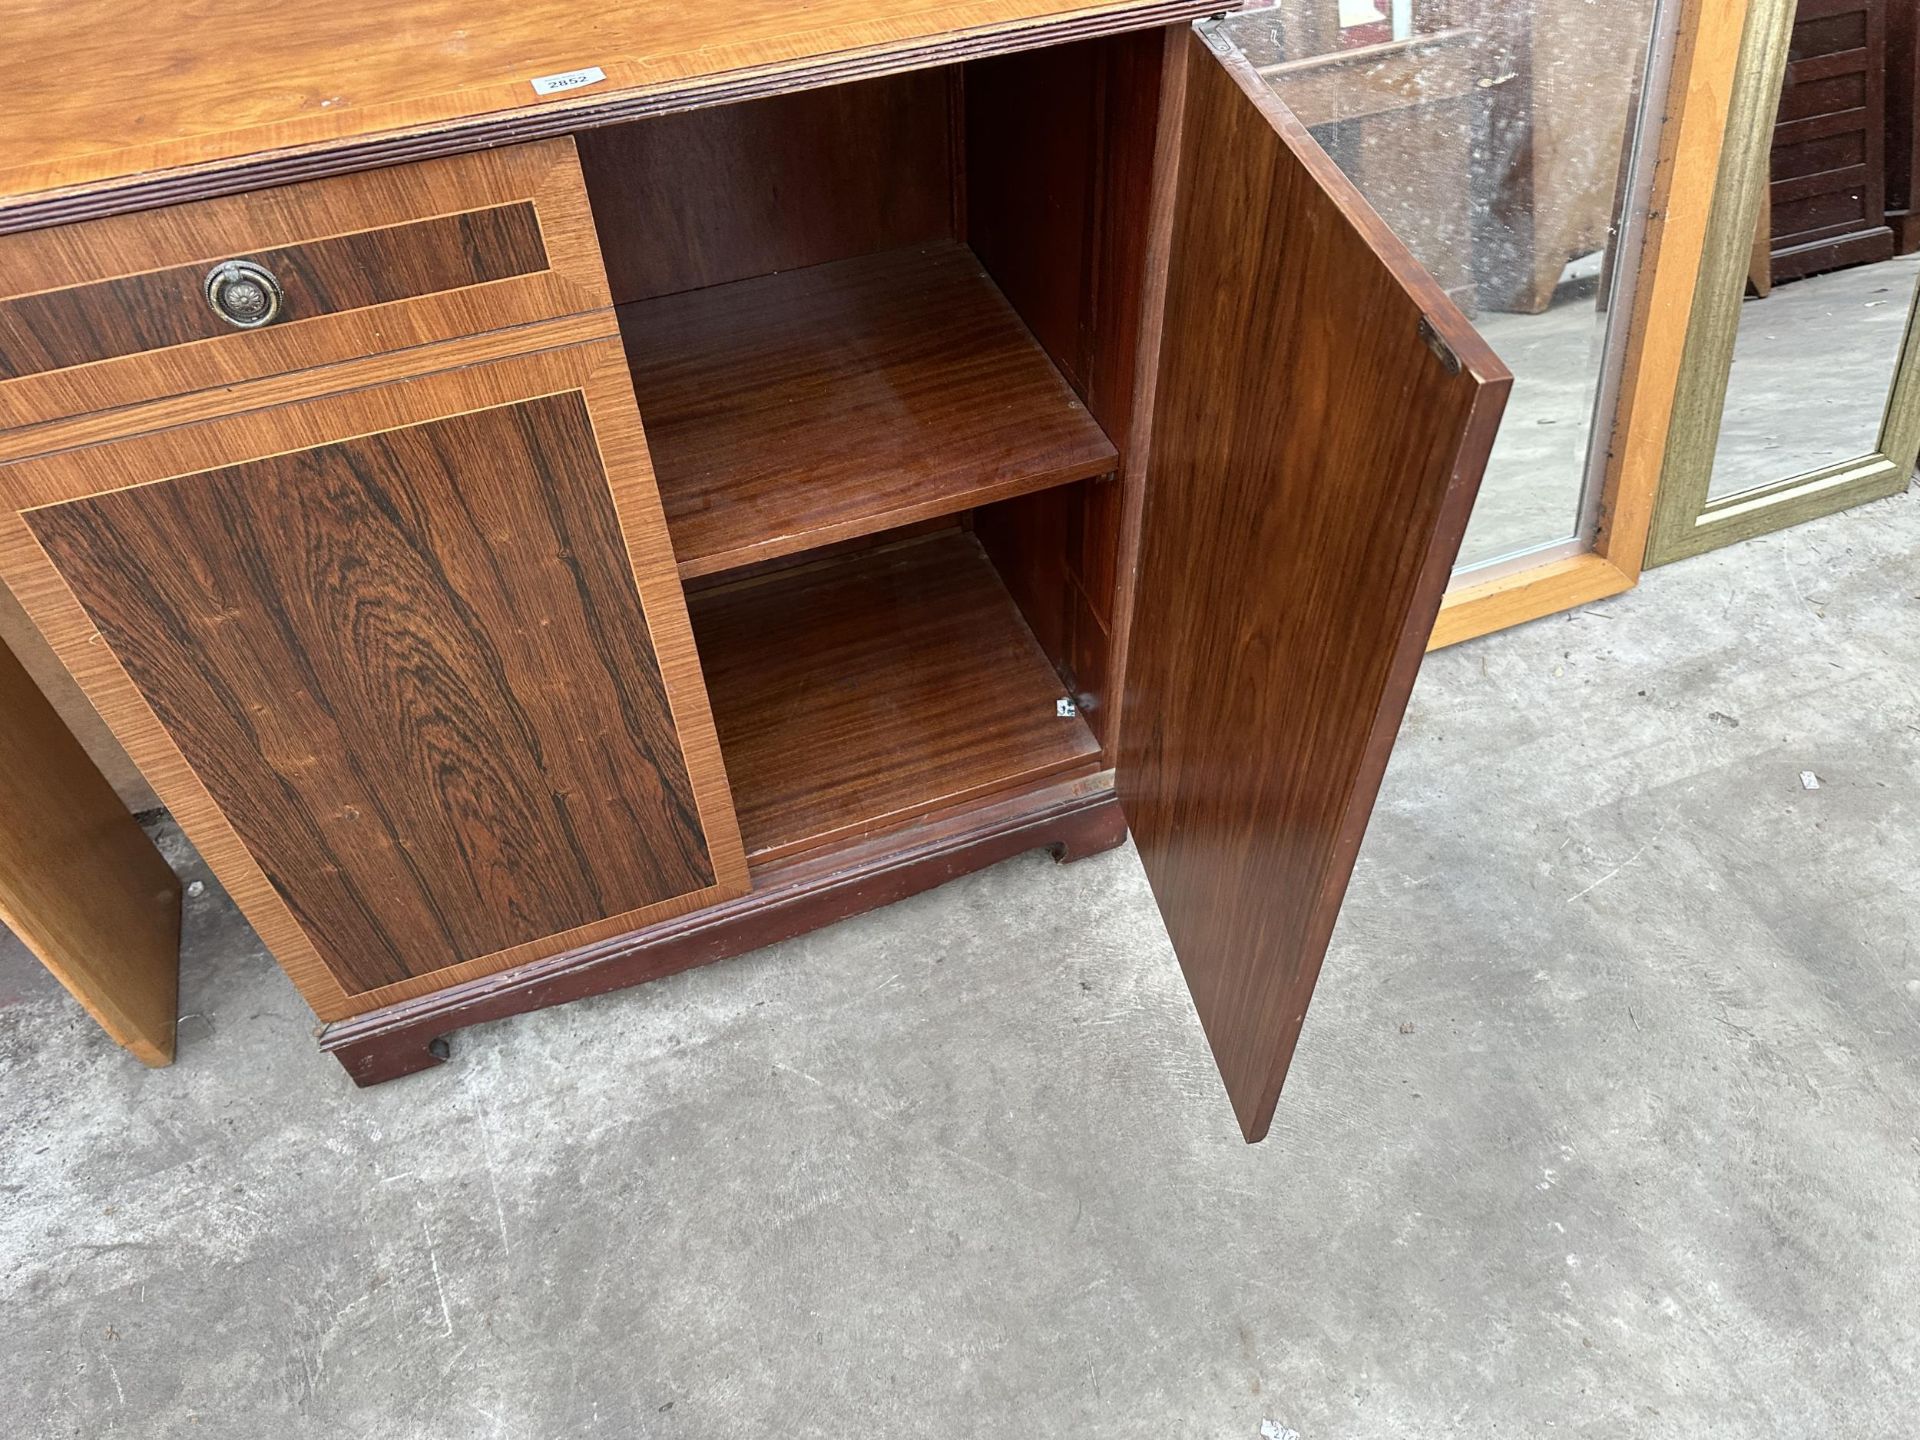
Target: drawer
[{"x": 166, "y": 302}]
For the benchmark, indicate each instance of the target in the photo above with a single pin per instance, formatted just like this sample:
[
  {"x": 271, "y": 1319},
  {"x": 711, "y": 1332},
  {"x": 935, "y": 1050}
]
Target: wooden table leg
[{"x": 80, "y": 883}]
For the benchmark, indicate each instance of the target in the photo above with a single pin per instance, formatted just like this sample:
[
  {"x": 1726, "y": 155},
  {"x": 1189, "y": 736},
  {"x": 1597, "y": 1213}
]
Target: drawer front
[
  {"x": 167, "y": 302},
  {"x": 410, "y": 665}
]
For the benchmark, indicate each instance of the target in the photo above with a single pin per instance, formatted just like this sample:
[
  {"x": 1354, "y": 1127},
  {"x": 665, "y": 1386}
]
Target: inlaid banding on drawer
[{"x": 133, "y": 314}]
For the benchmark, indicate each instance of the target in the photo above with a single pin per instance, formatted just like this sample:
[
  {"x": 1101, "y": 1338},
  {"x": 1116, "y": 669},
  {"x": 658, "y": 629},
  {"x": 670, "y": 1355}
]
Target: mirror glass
[
  {"x": 1499, "y": 139},
  {"x": 1799, "y": 388},
  {"x": 1821, "y": 332}
]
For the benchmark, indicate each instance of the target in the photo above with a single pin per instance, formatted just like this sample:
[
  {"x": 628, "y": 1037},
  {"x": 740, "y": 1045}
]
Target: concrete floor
[{"x": 1603, "y": 1123}]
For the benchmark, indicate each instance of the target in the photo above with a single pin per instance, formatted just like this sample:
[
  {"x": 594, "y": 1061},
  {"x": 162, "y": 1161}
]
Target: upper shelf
[{"x": 793, "y": 410}]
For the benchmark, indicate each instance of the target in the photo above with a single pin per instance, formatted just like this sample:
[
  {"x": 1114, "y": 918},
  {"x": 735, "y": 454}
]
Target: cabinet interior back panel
[
  {"x": 722, "y": 194},
  {"x": 413, "y": 671}
]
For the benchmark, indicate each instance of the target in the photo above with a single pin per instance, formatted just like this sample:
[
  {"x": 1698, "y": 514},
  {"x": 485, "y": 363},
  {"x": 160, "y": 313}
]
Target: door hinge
[
  {"x": 1213, "y": 36},
  {"x": 1438, "y": 346}
]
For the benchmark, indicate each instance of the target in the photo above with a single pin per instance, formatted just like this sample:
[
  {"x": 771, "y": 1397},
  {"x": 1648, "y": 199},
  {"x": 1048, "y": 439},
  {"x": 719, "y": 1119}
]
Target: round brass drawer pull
[{"x": 244, "y": 294}]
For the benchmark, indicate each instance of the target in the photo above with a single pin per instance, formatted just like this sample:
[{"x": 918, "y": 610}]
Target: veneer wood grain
[
  {"x": 1060, "y": 173},
  {"x": 855, "y": 694},
  {"x": 1060, "y": 165},
  {"x": 728, "y": 193},
  {"x": 1322, "y": 416},
  {"x": 111, "y": 313},
  {"x": 379, "y": 667},
  {"x": 80, "y": 884},
  {"x": 793, "y": 410},
  {"x": 50, "y": 678},
  {"x": 409, "y": 664},
  {"x": 343, "y": 377},
  {"x": 1155, "y": 243},
  {"x": 350, "y": 88},
  {"x": 57, "y": 329}
]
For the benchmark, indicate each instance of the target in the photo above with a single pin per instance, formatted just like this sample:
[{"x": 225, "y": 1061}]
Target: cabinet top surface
[{"x": 101, "y": 92}]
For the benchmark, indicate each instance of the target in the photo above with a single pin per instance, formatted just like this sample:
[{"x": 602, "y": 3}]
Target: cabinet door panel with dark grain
[
  {"x": 1320, "y": 422},
  {"x": 419, "y": 652}
]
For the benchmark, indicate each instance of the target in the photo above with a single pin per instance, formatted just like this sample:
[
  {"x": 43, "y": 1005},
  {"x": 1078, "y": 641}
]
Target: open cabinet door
[{"x": 1321, "y": 419}]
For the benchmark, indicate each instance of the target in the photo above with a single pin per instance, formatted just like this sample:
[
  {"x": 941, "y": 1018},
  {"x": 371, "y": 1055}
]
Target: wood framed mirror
[
  {"x": 1551, "y": 163},
  {"x": 1800, "y": 385}
]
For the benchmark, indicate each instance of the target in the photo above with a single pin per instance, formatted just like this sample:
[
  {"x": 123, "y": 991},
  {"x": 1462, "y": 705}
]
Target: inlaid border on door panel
[
  {"x": 596, "y": 371},
  {"x": 473, "y": 243}
]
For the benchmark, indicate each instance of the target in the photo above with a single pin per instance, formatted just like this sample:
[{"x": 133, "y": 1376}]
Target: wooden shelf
[
  {"x": 856, "y": 693},
  {"x": 792, "y": 410}
]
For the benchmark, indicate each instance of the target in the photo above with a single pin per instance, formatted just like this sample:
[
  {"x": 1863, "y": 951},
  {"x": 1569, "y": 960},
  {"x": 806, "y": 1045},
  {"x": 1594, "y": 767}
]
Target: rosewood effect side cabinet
[{"x": 551, "y": 517}]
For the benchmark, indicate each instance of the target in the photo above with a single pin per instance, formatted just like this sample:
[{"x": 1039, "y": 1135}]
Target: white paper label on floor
[{"x": 568, "y": 80}]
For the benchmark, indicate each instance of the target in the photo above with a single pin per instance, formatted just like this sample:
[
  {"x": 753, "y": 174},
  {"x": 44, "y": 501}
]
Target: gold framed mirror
[{"x": 1804, "y": 398}]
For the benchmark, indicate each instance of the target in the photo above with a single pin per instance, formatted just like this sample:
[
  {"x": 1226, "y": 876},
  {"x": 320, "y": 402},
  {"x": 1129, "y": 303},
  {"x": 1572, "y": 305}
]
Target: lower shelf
[{"x": 857, "y": 693}]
